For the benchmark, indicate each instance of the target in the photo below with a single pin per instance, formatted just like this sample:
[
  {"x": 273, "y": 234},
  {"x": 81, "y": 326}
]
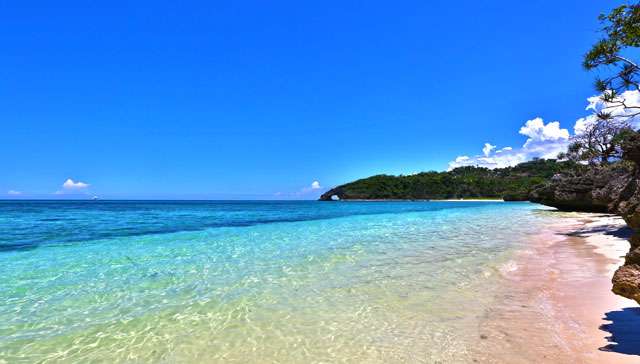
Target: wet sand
[{"x": 557, "y": 305}]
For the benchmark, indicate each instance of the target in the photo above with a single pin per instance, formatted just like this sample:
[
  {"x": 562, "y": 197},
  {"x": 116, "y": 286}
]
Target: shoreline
[
  {"x": 471, "y": 200},
  {"x": 557, "y": 305},
  {"x": 422, "y": 200}
]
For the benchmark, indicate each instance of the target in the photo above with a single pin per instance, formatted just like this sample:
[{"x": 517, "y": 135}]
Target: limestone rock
[
  {"x": 626, "y": 282},
  {"x": 591, "y": 191}
]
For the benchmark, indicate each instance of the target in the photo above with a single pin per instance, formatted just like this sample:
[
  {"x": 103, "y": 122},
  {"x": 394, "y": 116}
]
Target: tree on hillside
[
  {"x": 621, "y": 29},
  {"x": 599, "y": 141},
  {"x": 602, "y": 135}
]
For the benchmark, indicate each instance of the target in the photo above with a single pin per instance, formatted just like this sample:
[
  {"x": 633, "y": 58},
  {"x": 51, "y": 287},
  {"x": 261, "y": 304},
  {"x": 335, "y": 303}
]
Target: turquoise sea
[{"x": 252, "y": 282}]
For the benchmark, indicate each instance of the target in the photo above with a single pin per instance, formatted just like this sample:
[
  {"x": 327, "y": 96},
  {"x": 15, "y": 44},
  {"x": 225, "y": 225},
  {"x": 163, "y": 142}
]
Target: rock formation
[
  {"x": 612, "y": 189},
  {"x": 329, "y": 195},
  {"x": 591, "y": 191}
]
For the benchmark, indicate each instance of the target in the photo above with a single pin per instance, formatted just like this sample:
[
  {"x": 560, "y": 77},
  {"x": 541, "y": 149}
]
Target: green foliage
[
  {"x": 599, "y": 143},
  {"x": 621, "y": 29},
  {"x": 601, "y": 140},
  {"x": 513, "y": 183}
]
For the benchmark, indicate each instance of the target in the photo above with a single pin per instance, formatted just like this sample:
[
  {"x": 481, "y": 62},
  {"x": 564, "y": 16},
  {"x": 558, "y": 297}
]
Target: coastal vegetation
[{"x": 511, "y": 183}]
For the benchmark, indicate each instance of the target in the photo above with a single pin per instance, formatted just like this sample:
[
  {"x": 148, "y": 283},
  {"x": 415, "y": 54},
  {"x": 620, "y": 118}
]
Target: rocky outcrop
[
  {"x": 332, "y": 195},
  {"x": 626, "y": 282},
  {"x": 603, "y": 189},
  {"x": 593, "y": 190}
]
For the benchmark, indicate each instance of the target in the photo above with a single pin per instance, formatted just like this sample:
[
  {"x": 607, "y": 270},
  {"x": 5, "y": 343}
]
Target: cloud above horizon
[
  {"x": 543, "y": 141},
  {"x": 631, "y": 98},
  {"x": 308, "y": 190},
  {"x": 72, "y": 187},
  {"x": 487, "y": 149},
  {"x": 547, "y": 140},
  {"x": 314, "y": 186},
  {"x": 69, "y": 184},
  {"x": 14, "y": 193}
]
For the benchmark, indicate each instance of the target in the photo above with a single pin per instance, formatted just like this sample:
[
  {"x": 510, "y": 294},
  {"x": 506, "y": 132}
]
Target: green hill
[{"x": 512, "y": 183}]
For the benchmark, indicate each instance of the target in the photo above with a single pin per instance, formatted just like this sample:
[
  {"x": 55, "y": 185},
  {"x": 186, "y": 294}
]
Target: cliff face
[
  {"x": 603, "y": 189},
  {"x": 591, "y": 191},
  {"x": 626, "y": 280}
]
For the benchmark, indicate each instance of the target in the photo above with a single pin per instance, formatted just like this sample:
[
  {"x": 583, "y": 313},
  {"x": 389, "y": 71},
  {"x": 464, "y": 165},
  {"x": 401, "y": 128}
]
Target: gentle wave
[
  {"x": 28, "y": 224},
  {"x": 397, "y": 286}
]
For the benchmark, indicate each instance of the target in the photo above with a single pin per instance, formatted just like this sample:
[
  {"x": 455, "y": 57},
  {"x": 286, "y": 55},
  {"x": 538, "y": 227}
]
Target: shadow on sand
[
  {"x": 625, "y": 331},
  {"x": 616, "y": 230},
  {"x": 613, "y": 230}
]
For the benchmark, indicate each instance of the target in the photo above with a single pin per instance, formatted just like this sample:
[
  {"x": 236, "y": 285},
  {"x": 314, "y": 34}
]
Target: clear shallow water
[{"x": 252, "y": 281}]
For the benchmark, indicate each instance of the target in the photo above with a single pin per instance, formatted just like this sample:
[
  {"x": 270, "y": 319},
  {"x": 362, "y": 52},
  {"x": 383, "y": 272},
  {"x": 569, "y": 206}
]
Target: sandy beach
[{"x": 557, "y": 306}]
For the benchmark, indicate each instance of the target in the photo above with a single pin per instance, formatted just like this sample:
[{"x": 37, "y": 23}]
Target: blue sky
[{"x": 159, "y": 99}]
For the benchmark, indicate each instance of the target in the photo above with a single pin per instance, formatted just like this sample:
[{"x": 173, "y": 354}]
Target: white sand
[{"x": 556, "y": 300}]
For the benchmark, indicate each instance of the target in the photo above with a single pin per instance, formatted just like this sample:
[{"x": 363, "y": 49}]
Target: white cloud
[
  {"x": 14, "y": 192},
  {"x": 631, "y": 98},
  {"x": 69, "y": 184},
  {"x": 486, "y": 150},
  {"x": 460, "y": 161},
  {"x": 547, "y": 140},
  {"x": 543, "y": 141},
  {"x": 307, "y": 191},
  {"x": 313, "y": 187},
  {"x": 537, "y": 131}
]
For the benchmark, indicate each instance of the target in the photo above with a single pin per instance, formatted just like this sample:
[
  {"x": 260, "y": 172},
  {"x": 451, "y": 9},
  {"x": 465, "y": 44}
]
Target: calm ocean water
[{"x": 183, "y": 282}]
